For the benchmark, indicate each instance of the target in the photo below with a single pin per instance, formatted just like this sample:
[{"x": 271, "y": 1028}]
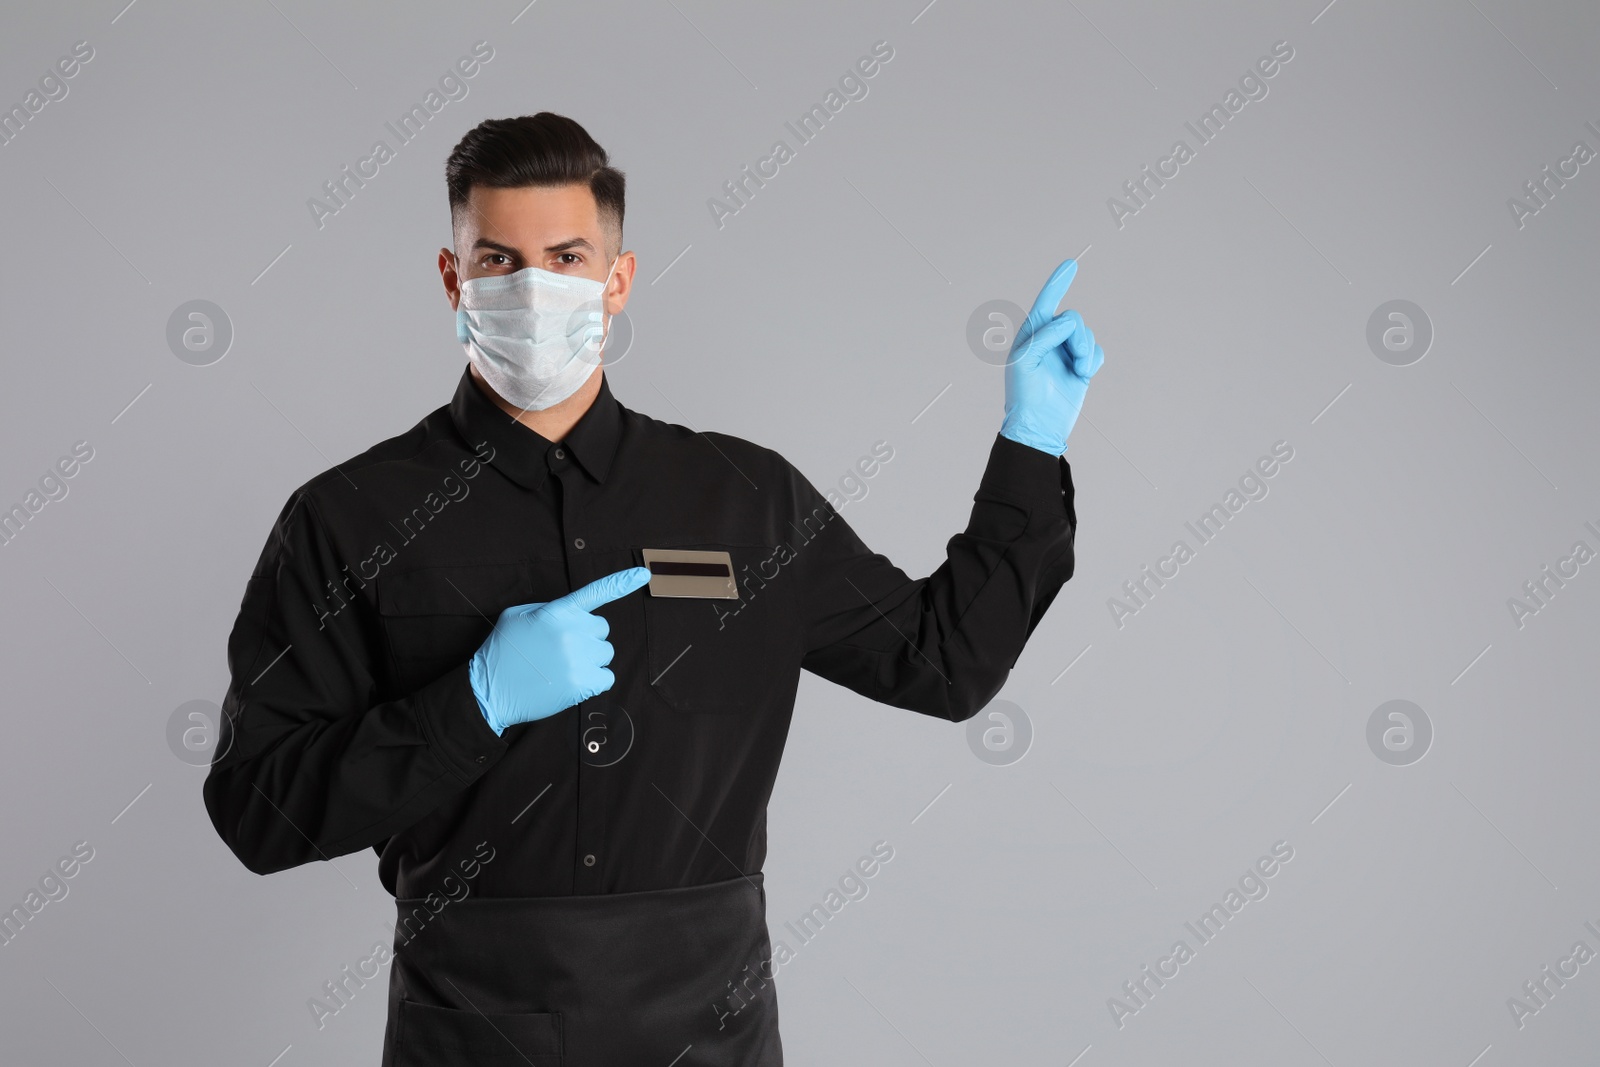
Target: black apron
[{"x": 609, "y": 980}]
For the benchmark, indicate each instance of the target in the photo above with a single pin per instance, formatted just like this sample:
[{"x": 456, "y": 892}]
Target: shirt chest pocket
[
  {"x": 722, "y": 656},
  {"x": 434, "y": 618}
]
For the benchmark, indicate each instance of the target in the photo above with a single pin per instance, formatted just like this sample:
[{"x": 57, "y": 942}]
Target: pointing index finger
[
  {"x": 603, "y": 590},
  {"x": 1044, "y": 307}
]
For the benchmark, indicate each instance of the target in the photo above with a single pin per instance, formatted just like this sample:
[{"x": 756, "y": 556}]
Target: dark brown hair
[{"x": 542, "y": 149}]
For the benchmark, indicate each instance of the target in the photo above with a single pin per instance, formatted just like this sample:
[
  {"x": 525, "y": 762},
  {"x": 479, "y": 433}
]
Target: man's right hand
[{"x": 544, "y": 658}]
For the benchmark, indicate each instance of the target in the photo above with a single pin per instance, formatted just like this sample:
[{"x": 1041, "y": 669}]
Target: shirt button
[
  {"x": 577, "y": 542},
  {"x": 588, "y": 861},
  {"x": 560, "y": 454},
  {"x": 483, "y": 759}
]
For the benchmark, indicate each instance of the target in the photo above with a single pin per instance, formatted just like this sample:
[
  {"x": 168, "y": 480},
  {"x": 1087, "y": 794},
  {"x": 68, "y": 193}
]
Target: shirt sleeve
[
  {"x": 941, "y": 645},
  {"x": 310, "y": 764}
]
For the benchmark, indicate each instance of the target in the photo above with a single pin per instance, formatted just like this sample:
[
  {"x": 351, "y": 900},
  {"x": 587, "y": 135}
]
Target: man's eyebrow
[
  {"x": 496, "y": 246},
  {"x": 571, "y": 243},
  {"x": 555, "y": 249}
]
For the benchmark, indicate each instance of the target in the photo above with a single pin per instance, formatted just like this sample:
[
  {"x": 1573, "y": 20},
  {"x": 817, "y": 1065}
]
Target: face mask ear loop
[{"x": 605, "y": 327}]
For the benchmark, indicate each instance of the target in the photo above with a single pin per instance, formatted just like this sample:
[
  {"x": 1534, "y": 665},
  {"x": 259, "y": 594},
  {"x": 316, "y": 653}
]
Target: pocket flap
[{"x": 459, "y": 589}]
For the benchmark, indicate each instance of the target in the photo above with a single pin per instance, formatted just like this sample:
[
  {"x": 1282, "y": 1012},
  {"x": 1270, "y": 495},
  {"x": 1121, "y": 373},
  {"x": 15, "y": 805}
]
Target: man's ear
[
  {"x": 447, "y": 274},
  {"x": 621, "y": 286}
]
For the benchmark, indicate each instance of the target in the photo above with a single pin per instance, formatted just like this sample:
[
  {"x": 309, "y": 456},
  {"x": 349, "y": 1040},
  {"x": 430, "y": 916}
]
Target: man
[{"x": 444, "y": 653}]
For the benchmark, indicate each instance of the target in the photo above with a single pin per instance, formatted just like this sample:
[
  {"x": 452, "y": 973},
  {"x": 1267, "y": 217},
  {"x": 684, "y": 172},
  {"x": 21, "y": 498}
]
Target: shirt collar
[{"x": 520, "y": 453}]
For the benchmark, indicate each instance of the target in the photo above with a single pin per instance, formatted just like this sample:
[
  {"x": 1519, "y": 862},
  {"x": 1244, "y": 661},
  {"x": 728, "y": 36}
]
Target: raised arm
[{"x": 943, "y": 645}]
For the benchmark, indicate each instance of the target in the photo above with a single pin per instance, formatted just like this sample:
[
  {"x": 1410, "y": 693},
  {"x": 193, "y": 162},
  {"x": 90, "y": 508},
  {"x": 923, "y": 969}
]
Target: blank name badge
[{"x": 684, "y": 573}]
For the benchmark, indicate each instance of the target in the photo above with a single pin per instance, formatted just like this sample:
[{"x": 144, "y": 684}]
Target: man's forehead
[
  {"x": 531, "y": 209},
  {"x": 531, "y": 221}
]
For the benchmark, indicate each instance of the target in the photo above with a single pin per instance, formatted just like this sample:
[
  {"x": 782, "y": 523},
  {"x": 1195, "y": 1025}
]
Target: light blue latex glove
[
  {"x": 543, "y": 658},
  {"x": 1047, "y": 373}
]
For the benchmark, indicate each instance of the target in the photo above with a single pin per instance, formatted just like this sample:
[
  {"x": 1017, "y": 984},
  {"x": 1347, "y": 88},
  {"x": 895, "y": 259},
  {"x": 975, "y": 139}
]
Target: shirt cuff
[
  {"x": 1024, "y": 475},
  {"x": 454, "y": 723}
]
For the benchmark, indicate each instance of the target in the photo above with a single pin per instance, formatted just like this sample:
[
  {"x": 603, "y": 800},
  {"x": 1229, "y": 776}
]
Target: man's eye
[{"x": 570, "y": 258}]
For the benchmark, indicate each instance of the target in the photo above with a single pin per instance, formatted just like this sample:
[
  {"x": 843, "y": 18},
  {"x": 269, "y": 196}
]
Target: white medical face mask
[{"x": 535, "y": 335}]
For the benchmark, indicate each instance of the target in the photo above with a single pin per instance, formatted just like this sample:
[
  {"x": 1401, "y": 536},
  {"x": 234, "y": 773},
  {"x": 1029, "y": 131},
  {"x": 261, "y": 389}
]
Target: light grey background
[{"x": 829, "y": 313}]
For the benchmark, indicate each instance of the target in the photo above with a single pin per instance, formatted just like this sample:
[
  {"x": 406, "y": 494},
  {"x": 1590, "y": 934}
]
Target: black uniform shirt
[{"x": 350, "y": 722}]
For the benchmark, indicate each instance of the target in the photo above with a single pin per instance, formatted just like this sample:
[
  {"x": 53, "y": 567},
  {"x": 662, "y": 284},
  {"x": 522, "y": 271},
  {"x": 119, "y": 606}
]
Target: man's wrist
[
  {"x": 1053, "y": 446},
  {"x": 477, "y": 676},
  {"x": 1021, "y": 474},
  {"x": 454, "y": 724}
]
